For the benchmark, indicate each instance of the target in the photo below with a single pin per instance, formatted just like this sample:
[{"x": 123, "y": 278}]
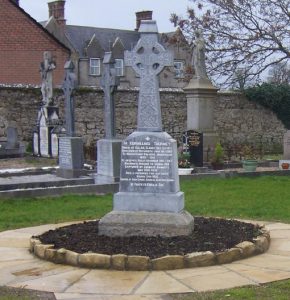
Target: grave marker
[
  {"x": 71, "y": 153},
  {"x": 193, "y": 143},
  {"x": 149, "y": 201},
  {"x": 48, "y": 117},
  {"x": 109, "y": 148}
]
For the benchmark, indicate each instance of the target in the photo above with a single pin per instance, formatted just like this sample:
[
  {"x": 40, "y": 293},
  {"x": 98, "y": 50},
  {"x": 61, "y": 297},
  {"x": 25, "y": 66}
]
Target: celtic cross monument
[
  {"x": 109, "y": 148},
  {"x": 71, "y": 153},
  {"x": 149, "y": 201}
]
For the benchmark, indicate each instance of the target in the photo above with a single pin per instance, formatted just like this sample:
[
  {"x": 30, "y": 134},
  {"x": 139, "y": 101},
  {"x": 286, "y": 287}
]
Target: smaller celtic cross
[
  {"x": 148, "y": 58},
  {"x": 109, "y": 84},
  {"x": 68, "y": 87}
]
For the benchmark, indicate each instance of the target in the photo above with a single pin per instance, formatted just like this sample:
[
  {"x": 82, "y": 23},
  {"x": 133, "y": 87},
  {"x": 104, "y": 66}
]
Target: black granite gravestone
[{"x": 193, "y": 144}]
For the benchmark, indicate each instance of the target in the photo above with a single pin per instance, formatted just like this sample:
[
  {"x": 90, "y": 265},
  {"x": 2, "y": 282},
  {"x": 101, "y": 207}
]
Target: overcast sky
[{"x": 110, "y": 13}]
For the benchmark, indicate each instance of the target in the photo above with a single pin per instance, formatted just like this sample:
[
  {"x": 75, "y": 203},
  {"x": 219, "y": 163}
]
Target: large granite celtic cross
[
  {"x": 109, "y": 83},
  {"x": 68, "y": 87},
  {"x": 148, "y": 58}
]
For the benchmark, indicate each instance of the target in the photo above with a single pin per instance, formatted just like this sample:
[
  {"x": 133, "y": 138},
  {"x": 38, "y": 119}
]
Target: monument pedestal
[
  {"x": 71, "y": 157},
  {"x": 108, "y": 165},
  {"x": 201, "y": 96},
  {"x": 142, "y": 223},
  {"x": 149, "y": 200}
]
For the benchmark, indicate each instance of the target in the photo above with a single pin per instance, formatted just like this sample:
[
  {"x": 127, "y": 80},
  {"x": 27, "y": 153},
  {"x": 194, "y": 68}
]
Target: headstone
[
  {"x": 109, "y": 148},
  {"x": 286, "y": 145},
  {"x": 70, "y": 149},
  {"x": 12, "y": 138},
  {"x": 11, "y": 147},
  {"x": 149, "y": 201},
  {"x": 36, "y": 142},
  {"x": 47, "y": 120},
  {"x": 48, "y": 116},
  {"x": 193, "y": 144}
]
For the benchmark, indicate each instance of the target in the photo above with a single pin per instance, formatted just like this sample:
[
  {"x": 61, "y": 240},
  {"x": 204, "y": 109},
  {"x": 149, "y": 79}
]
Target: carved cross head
[
  {"x": 109, "y": 79},
  {"x": 148, "y": 58}
]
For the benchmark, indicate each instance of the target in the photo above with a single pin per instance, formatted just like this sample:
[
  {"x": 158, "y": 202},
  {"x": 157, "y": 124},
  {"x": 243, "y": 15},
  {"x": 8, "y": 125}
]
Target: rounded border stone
[{"x": 124, "y": 262}]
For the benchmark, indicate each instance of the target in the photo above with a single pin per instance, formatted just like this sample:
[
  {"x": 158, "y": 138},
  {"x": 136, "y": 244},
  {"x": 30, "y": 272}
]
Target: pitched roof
[
  {"x": 39, "y": 25},
  {"x": 80, "y": 36}
]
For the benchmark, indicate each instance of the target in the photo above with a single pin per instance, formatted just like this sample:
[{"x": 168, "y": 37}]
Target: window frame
[
  {"x": 178, "y": 72},
  {"x": 96, "y": 68},
  {"x": 119, "y": 70}
]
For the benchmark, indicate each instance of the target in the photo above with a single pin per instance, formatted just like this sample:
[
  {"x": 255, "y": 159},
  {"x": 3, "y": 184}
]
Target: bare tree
[
  {"x": 252, "y": 35},
  {"x": 279, "y": 73}
]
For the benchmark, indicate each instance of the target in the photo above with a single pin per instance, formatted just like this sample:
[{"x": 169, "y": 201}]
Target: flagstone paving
[{"x": 19, "y": 268}]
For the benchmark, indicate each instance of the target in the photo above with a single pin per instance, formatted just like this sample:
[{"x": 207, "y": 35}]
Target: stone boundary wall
[
  {"x": 235, "y": 118},
  {"x": 239, "y": 121}
]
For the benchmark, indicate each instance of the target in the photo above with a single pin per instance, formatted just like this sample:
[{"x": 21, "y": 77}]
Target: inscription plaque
[
  {"x": 148, "y": 164},
  {"x": 65, "y": 153}
]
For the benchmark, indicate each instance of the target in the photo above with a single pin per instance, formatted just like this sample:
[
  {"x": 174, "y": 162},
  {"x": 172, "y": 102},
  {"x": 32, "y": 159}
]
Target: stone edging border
[{"x": 124, "y": 262}]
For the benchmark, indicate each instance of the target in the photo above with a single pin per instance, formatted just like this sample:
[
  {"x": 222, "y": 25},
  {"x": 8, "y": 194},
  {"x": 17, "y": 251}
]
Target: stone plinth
[
  {"x": 128, "y": 223},
  {"x": 108, "y": 165},
  {"x": 71, "y": 157}
]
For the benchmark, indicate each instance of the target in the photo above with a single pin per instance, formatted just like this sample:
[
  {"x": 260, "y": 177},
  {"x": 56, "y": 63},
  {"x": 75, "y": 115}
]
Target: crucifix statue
[
  {"x": 148, "y": 58},
  {"x": 68, "y": 88},
  {"x": 46, "y": 68},
  {"x": 109, "y": 84}
]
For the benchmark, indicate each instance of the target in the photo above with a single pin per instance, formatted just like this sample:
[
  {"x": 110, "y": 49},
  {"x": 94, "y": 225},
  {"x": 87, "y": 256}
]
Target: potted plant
[
  {"x": 217, "y": 161},
  {"x": 249, "y": 161},
  {"x": 184, "y": 166}
]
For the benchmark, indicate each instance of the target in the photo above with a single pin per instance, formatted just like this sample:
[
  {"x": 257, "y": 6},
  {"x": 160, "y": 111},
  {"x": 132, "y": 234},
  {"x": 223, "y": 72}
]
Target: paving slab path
[{"x": 19, "y": 268}]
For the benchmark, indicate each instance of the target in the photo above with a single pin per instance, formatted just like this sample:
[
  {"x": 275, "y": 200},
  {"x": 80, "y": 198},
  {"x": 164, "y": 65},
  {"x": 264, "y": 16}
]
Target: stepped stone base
[{"x": 142, "y": 223}]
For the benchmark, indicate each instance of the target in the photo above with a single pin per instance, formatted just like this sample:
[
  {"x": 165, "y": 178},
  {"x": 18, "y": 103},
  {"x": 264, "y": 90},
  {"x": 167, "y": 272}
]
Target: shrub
[{"x": 275, "y": 97}]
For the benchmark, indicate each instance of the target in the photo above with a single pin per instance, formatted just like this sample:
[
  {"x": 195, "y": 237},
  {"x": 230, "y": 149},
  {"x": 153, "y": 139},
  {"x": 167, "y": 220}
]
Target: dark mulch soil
[{"x": 210, "y": 234}]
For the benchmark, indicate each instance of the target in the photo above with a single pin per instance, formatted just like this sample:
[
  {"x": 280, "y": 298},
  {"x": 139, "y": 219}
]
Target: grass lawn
[
  {"x": 260, "y": 198},
  {"x": 263, "y": 198},
  {"x": 35, "y": 211},
  {"x": 279, "y": 290}
]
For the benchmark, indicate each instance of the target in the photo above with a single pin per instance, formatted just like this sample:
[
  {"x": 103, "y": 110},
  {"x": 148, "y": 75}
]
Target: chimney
[
  {"x": 56, "y": 9},
  {"x": 142, "y": 15}
]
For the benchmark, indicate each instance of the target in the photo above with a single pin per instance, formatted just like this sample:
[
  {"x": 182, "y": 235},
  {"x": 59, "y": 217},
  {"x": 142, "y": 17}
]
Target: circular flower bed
[{"x": 214, "y": 241}]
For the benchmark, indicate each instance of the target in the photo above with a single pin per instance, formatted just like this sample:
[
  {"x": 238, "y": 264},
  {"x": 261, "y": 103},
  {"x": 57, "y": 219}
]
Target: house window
[
  {"x": 119, "y": 66},
  {"x": 95, "y": 66},
  {"x": 178, "y": 69}
]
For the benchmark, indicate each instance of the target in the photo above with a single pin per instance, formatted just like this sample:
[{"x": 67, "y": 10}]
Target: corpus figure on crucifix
[{"x": 46, "y": 68}]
